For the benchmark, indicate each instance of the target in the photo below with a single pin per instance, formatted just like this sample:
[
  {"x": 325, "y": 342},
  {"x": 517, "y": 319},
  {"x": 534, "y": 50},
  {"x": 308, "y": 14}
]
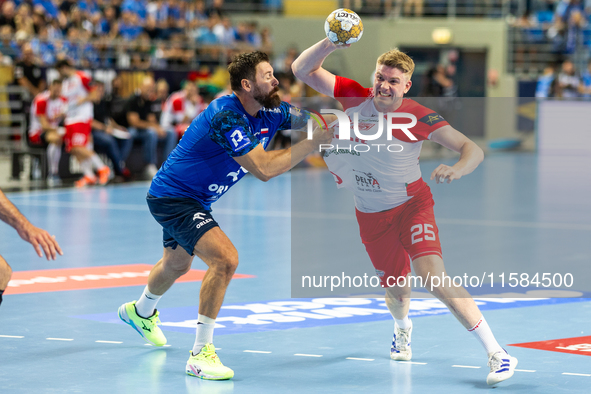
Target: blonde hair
[{"x": 396, "y": 59}]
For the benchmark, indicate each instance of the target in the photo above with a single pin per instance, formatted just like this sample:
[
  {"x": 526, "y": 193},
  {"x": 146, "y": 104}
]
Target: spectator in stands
[
  {"x": 180, "y": 109},
  {"x": 28, "y": 73},
  {"x": 162, "y": 90},
  {"x": 7, "y": 47},
  {"x": 216, "y": 8},
  {"x": 109, "y": 137},
  {"x": 129, "y": 28},
  {"x": 151, "y": 28},
  {"x": 49, "y": 8},
  {"x": 108, "y": 24},
  {"x": 39, "y": 20},
  {"x": 224, "y": 32},
  {"x": 141, "y": 123},
  {"x": 47, "y": 112},
  {"x": 8, "y": 13},
  {"x": 196, "y": 13},
  {"x": 205, "y": 34},
  {"x": 23, "y": 19},
  {"x": 546, "y": 82},
  {"x": 569, "y": 85}
]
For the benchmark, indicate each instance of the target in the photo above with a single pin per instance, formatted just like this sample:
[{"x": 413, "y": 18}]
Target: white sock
[
  {"x": 86, "y": 166},
  {"x": 146, "y": 305},
  {"x": 403, "y": 324},
  {"x": 97, "y": 162},
  {"x": 54, "y": 152},
  {"x": 204, "y": 332},
  {"x": 485, "y": 336}
]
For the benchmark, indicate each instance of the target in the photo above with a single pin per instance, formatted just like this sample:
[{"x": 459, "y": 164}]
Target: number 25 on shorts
[{"x": 422, "y": 231}]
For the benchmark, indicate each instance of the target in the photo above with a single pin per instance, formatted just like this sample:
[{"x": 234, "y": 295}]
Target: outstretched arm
[
  {"x": 266, "y": 165},
  {"x": 308, "y": 67},
  {"x": 40, "y": 239},
  {"x": 470, "y": 154}
]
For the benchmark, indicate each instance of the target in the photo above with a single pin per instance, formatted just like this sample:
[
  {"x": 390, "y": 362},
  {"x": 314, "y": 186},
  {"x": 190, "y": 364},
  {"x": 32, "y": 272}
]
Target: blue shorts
[{"x": 184, "y": 220}]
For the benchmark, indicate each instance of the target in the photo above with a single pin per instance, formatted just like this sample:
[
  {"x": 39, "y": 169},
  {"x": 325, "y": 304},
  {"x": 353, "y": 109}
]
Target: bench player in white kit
[{"x": 394, "y": 206}]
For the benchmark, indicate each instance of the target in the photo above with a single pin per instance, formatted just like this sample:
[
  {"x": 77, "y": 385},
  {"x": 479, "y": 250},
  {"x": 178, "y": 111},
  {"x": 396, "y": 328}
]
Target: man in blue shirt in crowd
[{"x": 220, "y": 146}]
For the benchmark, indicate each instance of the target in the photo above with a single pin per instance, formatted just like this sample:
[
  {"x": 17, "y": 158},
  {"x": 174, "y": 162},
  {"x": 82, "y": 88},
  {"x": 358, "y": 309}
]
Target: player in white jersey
[
  {"x": 180, "y": 108},
  {"x": 77, "y": 89},
  {"x": 47, "y": 111},
  {"x": 394, "y": 206}
]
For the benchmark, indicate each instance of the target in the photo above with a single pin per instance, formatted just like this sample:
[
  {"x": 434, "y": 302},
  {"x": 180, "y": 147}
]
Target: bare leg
[
  {"x": 81, "y": 153},
  {"x": 218, "y": 252},
  {"x": 456, "y": 298},
  {"x": 173, "y": 264},
  {"x": 398, "y": 300}
]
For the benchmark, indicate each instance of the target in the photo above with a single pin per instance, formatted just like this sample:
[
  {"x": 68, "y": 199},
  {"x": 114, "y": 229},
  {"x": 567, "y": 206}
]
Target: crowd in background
[
  {"x": 564, "y": 81},
  {"x": 137, "y": 34},
  {"x": 561, "y": 23}
]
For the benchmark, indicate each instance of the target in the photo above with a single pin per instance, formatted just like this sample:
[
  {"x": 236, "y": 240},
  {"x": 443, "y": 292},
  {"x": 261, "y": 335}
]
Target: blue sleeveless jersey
[{"x": 202, "y": 165}]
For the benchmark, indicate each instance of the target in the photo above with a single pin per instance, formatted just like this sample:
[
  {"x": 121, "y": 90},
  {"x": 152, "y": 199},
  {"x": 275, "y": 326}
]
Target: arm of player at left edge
[
  {"x": 471, "y": 155},
  {"x": 39, "y": 238}
]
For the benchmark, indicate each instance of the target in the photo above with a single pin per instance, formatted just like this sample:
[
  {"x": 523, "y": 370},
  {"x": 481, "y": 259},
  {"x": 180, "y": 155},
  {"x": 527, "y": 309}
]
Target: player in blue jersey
[{"x": 221, "y": 145}]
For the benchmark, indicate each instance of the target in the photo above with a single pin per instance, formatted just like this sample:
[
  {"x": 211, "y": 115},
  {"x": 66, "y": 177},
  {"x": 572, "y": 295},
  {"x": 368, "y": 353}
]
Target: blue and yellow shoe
[
  {"x": 147, "y": 327},
  {"x": 207, "y": 365}
]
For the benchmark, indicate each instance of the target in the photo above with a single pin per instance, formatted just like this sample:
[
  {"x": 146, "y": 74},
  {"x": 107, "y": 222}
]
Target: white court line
[
  {"x": 66, "y": 191},
  {"x": 108, "y": 342},
  {"x": 308, "y": 355},
  {"x": 59, "y": 339},
  {"x": 149, "y": 344},
  {"x": 11, "y": 336},
  {"x": 312, "y": 215},
  {"x": 256, "y": 351},
  {"x": 576, "y": 374},
  {"x": 525, "y": 370},
  {"x": 360, "y": 359},
  {"x": 411, "y": 362},
  {"x": 465, "y": 366}
]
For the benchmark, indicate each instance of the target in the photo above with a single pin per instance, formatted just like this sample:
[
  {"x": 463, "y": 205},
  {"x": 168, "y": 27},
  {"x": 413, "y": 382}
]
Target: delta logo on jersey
[
  {"x": 237, "y": 138},
  {"x": 367, "y": 182}
]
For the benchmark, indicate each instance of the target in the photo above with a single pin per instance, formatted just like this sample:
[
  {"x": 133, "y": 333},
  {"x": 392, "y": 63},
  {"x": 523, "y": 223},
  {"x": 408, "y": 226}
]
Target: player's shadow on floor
[{"x": 503, "y": 386}]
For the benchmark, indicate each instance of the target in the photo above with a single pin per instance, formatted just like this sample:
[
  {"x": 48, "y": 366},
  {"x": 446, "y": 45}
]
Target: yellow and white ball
[{"x": 343, "y": 26}]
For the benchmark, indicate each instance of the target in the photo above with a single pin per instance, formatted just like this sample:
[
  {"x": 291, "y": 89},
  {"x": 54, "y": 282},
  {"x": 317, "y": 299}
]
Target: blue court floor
[{"x": 516, "y": 210}]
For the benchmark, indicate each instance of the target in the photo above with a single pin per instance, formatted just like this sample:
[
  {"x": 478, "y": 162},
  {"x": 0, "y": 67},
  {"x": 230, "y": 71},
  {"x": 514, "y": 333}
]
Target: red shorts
[
  {"x": 77, "y": 134},
  {"x": 395, "y": 237}
]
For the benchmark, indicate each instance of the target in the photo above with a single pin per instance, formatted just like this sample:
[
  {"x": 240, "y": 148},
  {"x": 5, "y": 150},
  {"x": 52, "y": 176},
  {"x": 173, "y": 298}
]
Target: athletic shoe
[
  {"x": 104, "y": 175},
  {"x": 401, "y": 350},
  {"x": 147, "y": 327},
  {"x": 54, "y": 181},
  {"x": 502, "y": 366},
  {"x": 207, "y": 365},
  {"x": 85, "y": 181}
]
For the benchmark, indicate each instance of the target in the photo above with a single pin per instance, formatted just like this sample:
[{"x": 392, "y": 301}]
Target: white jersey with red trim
[
  {"x": 44, "y": 105},
  {"x": 75, "y": 88},
  {"x": 379, "y": 172},
  {"x": 177, "y": 107}
]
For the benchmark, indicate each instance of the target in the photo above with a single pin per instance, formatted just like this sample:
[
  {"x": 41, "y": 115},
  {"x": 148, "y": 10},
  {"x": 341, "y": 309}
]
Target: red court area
[
  {"x": 90, "y": 278},
  {"x": 577, "y": 345}
]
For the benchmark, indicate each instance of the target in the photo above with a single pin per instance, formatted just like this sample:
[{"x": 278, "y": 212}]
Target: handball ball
[{"x": 343, "y": 26}]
